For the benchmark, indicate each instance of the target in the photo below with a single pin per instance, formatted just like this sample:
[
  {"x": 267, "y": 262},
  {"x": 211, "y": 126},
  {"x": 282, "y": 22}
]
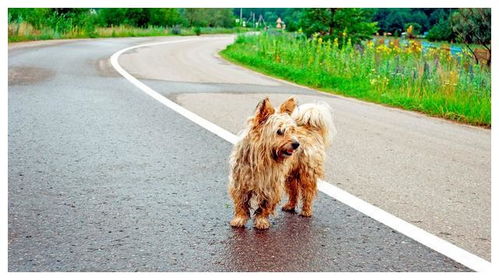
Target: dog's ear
[
  {"x": 263, "y": 110},
  {"x": 288, "y": 106}
]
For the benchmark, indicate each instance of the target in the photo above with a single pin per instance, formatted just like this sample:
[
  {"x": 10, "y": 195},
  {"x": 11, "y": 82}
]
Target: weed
[{"x": 431, "y": 80}]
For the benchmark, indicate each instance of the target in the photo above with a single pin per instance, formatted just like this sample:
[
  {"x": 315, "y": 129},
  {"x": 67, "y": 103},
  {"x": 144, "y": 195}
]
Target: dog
[{"x": 270, "y": 158}]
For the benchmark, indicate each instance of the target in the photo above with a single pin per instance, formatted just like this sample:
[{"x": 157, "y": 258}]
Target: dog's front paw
[
  {"x": 238, "y": 221},
  {"x": 261, "y": 223},
  {"x": 288, "y": 208},
  {"x": 306, "y": 213}
]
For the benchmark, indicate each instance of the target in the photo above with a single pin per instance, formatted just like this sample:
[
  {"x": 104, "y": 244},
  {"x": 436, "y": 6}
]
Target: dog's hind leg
[
  {"x": 241, "y": 208},
  {"x": 308, "y": 185},
  {"x": 292, "y": 189}
]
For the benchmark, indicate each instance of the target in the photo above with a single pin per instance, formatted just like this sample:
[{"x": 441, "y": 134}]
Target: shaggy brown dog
[
  {"x": 260, "y": 161},
  {"x": 269, "y": 159}
]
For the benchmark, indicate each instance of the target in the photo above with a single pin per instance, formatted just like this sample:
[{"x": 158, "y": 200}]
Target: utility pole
[
  {"x": 262, "y": 20},
  {"x": 241, "y": 16}
]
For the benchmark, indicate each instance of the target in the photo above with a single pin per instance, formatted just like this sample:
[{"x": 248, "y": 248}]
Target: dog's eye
[{"x": 280, "y": 132}]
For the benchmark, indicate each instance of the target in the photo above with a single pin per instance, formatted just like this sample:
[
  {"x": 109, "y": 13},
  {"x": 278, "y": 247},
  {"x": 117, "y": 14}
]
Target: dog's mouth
[
  {"x": 288, "y": 152},
  {"x": 282, "y": 154}
]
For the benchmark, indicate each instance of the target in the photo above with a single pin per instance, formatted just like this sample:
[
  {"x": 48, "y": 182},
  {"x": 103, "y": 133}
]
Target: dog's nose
[{"x": 295, "y": 144}]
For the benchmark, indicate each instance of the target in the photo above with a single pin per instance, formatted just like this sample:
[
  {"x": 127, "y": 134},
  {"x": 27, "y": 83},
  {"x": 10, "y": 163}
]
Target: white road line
[{"x": 442, "y": 246}]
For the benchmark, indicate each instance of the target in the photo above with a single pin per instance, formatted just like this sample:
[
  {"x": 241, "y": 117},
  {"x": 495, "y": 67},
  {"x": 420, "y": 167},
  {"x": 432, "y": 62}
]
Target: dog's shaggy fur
[
  {"x": 314, "y": 132},
  {"x": 279, "y": 150}
]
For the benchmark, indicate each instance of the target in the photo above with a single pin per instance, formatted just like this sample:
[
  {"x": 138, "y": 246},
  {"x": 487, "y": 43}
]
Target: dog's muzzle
[{"x": 289, "y": 152}]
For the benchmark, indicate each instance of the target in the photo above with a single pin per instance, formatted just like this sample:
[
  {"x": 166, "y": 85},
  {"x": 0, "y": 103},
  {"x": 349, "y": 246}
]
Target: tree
[
  {"x": 442, "y": 31},
  {"x": 196, "y": 16},
  {"x": 420, "y": 18},
  {"x": 292, "y": 18},
  {"x": 209, "y": 17},
  {"x": 111, "y": 16},
  {"x": 439, "y": 15},
  {"x": 380, "y": 16},
  {"x": 473, "y": 26},
  {"x": 220, "y": 18},
  {"x": 165, "y": 17},
  {"x": 34, "y": 16},
  {"x": 124, "y": 16},
  {"x": 352, "y": 23},
  {"x": 396, "y": 20}
]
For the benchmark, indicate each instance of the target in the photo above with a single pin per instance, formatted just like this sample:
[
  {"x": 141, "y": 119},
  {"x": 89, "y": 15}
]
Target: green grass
[
  {"x": 432, "y": 82},
  {"x": 19, "y": 32}
]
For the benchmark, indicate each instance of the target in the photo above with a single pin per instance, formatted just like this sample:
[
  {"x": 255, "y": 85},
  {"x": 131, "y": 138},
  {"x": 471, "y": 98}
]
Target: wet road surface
[
  {"x": 427, "y": 171},
  {"x": 104, "y": 178}
]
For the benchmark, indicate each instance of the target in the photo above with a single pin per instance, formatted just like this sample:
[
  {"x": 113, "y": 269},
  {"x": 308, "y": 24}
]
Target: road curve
[
  {"x": 430, "y": 172},
  {"x": 101, "y": 178}
]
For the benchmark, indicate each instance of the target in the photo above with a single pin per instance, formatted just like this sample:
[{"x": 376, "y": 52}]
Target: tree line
[
  {"x": 466, "y": 25},
  {"x": 64, "y": 19}
]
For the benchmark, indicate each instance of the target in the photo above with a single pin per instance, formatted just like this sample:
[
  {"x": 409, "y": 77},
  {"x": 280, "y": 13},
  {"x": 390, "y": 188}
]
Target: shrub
[
  {"x": 197, "y": 30},
  {"x": 442, "y": 31}
]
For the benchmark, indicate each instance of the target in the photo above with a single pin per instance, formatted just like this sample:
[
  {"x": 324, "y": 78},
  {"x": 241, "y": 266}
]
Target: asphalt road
[
  {"x": 104, "y": 178},
  {"x": 430, "y": 172}
]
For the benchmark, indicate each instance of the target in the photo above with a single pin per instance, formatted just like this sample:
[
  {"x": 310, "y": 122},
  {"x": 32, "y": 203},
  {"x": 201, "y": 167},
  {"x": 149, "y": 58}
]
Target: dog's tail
[{"x": 316, "y": 117}]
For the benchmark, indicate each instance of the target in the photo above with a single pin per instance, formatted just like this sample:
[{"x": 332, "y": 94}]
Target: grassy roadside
[
  {"x": 25, "y": 32},
  {"x": 434, "y": 83}
]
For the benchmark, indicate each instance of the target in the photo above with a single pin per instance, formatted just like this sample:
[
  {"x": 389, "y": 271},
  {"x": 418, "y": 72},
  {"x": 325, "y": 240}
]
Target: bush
[
  {"x": 442, "y": 31},
  {"x": 197, "y": 30},
  {"x": 35, "y": 17}
]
